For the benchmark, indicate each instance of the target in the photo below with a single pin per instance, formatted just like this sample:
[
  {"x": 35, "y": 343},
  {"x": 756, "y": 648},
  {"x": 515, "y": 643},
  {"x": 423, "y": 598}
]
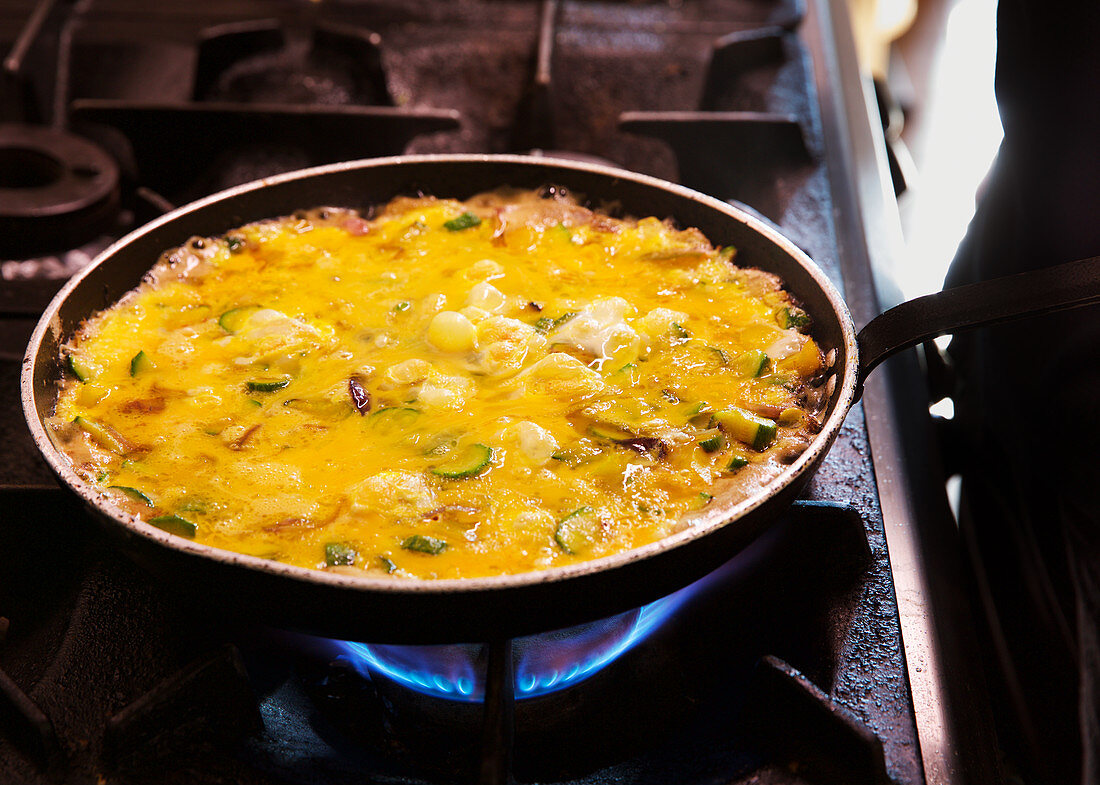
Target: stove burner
[
  {"x": 57, "y": 190},
  {"x": 544, "y": 663},
  {"x": 264, "y": 62}
]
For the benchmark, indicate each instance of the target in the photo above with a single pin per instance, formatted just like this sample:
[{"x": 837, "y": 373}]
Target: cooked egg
[{"x": 449, "y": 389}]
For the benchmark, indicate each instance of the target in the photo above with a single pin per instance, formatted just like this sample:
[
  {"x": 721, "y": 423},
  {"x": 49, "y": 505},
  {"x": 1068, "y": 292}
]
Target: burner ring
[{"x": 57, "y": 189}]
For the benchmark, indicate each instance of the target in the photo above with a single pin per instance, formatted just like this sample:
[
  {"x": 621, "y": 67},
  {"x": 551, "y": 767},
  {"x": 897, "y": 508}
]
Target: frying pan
[{"x": 479, "y": 609}]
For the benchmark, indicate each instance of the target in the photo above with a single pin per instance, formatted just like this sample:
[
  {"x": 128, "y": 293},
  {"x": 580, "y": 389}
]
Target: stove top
[{"x": 785, "y": 666}]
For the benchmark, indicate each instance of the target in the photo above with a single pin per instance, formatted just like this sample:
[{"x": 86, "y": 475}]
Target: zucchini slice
[
  {"x": 755, "y": 431},
  {"x": 792, "y": 317},
  {"x": 737, "y": 462},
  {"x": 718, "y": 355},
  {"x": 685, "y": 412},
  {"x": 422, "y": 543},
  {"x": 174, "y": 524},
  {"x": 234, "y": 319},
  {"x": 644, "y": 445},
  {"x": 627, "y": 375},
  {"x": 266, "y": 385},
  {"x": 713, "y": 444},
  {"x": 78, "y": 368},
  {"x": 544, "y": 324},
  {"x": 104, "y": 435},
  {"x": 577, "y": 531},
  {"x": 609, "y": 432},
  {"x": 466, "y": 462},
  {"x": 337, "y": 553},
  {"x": 133, "y": 493},
  {"x": 391, "y": 419},
  {"x": 752, "y": 363},
  {"x": 577, "y": 454},
  {"x": 140, "y": 363},
  {"x": 465, "y": 221}
]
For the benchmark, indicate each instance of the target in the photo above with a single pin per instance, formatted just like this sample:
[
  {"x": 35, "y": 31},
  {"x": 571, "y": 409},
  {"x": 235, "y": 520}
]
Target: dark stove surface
[
  {"x": 782, "y": 661},
  {"x": 785, "y": 667}
]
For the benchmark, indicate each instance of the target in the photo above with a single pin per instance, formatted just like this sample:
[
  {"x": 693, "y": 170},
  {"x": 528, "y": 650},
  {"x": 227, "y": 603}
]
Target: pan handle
[{"x": 1058, "y": 288}]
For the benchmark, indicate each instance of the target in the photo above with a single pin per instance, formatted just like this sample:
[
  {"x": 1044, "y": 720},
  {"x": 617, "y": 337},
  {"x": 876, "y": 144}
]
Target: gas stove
[{"x": 816, "y": 655}]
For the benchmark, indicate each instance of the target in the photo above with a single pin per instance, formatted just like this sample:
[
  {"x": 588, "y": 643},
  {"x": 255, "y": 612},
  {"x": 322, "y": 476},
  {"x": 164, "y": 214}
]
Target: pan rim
[{"x": 725, "y": 515}]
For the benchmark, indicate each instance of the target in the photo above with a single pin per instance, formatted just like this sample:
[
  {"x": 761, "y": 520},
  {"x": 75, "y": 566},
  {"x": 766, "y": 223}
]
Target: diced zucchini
[
  {"x": 441, "y": 445},
  {"x": 140, "y": 363},
  {"x": 465, "y": 221},
  {"x": 682, "y": 255},
  {"x": 104, "y": 435},
  {"x": 704, "y": 421},
  {"x": 737, "y": 462},
  {"x": 392, "y": 419},
  {"x": 578, "y": 530},
  {"x": 387, "y": 564},
  {"x": 422, "y": 543},
  {"x": 133, "y": 493},
  {"x": 542, "y": 324},
  {"x": 755, "y": 431},
  {"x": 78, "y": 368},
  {"x": 322, "y": 408},
  {"x": 610, "y": 464},
  {"x": 565, "y": 317},
  {"x": 703, "y": 500},
  {"x": 713, "y": 444},
  {"x": 194, "y": 505},
  {"x": 404, "y": 305},
  {"x": 337, "y": 553},
  {"x": 174, "y": 524},
  {"x": 684, "y": 413},
  {"x": 609, "y": 432},
  {"x": 233, "y": 320},
  {"x": 792, "y": 317},
  {"x": 628, "y": 373},
  {"x": 792, "y": 416},
  {"x": 577, "y": 454},
  {"x": 266, "y": 385},
  {"x": 415, "y": 229},
  {"x": 752, "y": 363},
  {"x": 719, "y": 355},
  {"x": 679, "y": 331},
  {"x": 234, "y": 243},
  {"x": 466, "y": 462}
]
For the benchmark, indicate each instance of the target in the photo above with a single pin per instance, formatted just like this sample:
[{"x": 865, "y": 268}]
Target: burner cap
[{"x": 57, "y": 190}]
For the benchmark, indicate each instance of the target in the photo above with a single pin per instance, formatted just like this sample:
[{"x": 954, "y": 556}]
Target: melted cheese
[{"x": 433, "y": 397}]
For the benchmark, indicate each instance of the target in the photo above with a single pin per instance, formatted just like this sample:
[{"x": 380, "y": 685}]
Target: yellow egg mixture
[{"x": 446, "y": 389}]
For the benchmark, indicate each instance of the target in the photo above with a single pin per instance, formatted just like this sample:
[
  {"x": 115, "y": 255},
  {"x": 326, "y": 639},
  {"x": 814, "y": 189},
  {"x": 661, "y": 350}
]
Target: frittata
[{"x": 441, "y": 389}]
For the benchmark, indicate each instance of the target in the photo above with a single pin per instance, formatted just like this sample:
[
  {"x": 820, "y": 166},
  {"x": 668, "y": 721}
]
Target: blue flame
[{"x": 543, "y": 663}]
